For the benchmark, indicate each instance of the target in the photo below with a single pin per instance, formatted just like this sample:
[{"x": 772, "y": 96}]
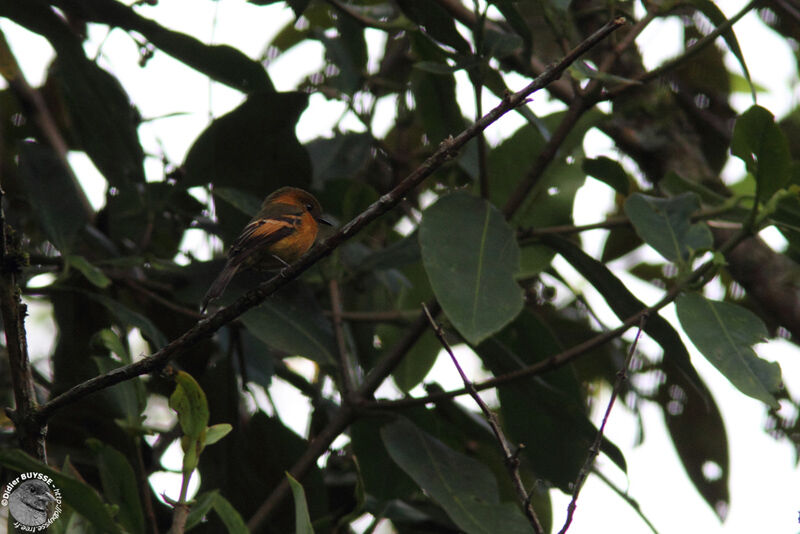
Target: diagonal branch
[
  {"x": 509, "y": 458},
  {"x": 594, "y": 450},
  {"x": 206, "y": 327}
]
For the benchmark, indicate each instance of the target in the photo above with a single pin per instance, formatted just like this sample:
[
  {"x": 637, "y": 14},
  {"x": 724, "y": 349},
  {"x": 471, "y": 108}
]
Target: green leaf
[
  {"x": 546, "y": 413},
  {"x": 302, "y": 519},
  {"x": 665, "y": 225},
  {"x": 129, "y": 398},
  {"x": 110, "y": 340},
  {"x": 200, "y": 507},
  {"x": 763, "y": 147},
  {"x": 383, "y": 479},
  {"x": 471, "y": 256},
  {"x": 609, "y": 172},
  {"x": 80, "y": 496},
  {"x": 245, "y": 202},
  {"x": 435, "y": 22},
  {"x": 725, "y": 333},
  {"x": 102, "y": 119},
  {"x": 89, "y": 271},
  {"x": 232, "y": 520},
  {"x": 189, "y": 402},
  {"x": 128, "y": 317},
  {"x": 625, "y": 304},
  {"x": 55, "y": 198},
  {"x": 295, "y": 326},
  {"x": 120, "y": 486},
  {"x": 435, "y": 95},
  {"x": 214, "y": 433},
  {"x": 463, "y": 487},
  {"x": 222, "y": 63},
  {"x": 253, "y": 148}
]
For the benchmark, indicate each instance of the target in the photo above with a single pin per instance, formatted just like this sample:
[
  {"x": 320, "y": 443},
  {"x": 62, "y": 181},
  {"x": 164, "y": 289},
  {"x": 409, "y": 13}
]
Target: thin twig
[
  {"x": 389, "y": 316},
  {"x": 594, "y": 450},
  {"x": 345, "y": 364},
  {"x": 627, "y": 498},
  {"x": 672, "y": 64},
  {"x": 510, "y": 457}
]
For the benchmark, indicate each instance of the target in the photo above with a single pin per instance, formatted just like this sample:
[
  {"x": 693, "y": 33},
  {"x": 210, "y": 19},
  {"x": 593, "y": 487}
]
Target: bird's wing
[{"x": 261, "y": 233}]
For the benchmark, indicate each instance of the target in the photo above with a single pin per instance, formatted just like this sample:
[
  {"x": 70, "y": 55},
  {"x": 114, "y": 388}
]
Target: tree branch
[
  {"x": 594, "y": 450},
  {"x": 30, "y": 433},
  {"x": 509, "y": 458},
  {"x": 207, "y": 327}
]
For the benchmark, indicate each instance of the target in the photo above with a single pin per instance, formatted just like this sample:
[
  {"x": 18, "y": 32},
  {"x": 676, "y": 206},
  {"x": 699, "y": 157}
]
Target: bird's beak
[{"x": 323, "y": 221}]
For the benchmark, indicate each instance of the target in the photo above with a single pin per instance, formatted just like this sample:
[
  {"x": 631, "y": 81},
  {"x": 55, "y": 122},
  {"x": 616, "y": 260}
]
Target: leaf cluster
[{"x": 477, "y": 241}]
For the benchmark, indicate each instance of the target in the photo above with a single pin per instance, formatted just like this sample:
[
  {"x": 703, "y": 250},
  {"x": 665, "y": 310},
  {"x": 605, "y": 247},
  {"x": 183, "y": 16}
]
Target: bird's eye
[{"x": 309, "y": 207}]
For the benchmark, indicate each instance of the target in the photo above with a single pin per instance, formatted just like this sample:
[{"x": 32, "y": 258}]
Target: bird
[
  {"x": 283, "y": 230},
  {"x": 29, "y": 502}
]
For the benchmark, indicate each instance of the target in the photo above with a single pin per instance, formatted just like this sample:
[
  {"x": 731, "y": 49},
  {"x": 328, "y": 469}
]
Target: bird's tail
[{"x": 219, "y": 285}]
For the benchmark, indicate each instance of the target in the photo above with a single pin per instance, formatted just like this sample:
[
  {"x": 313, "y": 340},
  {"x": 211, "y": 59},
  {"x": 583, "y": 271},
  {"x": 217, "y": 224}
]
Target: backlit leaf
[{"x": 725, "y": 334}]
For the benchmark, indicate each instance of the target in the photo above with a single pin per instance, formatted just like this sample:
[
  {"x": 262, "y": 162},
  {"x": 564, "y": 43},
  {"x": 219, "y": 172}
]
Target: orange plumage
[{"x": 284, "y": 229}]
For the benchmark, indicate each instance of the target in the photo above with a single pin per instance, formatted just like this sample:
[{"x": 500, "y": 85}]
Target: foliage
[{"x": 476, "y": 240}]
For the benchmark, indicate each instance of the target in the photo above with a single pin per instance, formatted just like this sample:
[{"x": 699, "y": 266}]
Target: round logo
[{"x": 33, "y": 501}]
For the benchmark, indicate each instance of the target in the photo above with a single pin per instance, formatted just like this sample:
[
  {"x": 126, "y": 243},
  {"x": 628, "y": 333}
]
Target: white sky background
[{"x": 764, "y": 484}]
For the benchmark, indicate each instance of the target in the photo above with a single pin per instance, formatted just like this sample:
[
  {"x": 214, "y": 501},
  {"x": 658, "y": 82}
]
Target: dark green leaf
[
  {"x": 295, "y": 326},
  {"x": 760, "y": 143},
  {"x": 500, "y": 44},
  {"x": 546, "y": 414},
  {"x": 725, "y": 334},
  {"x": 120, "y": 485},
  {"x": 92, "y": 273},
  {"x": 665, "y": 224},
  {"x": 625, "y": 304},
  {"x": 514, "y": 19},
  {"x": 435, "y": 22},
  {"x": 342, "y": 156},
  {"x": 234, "y": 523},
  {"x": 131, "y": 318},
  {"x": 246, "y": 203},
  {"x": 80, "y": 496},
  {"x": 222, "y": 63},
  {"x": 383, "y": 479},
  {"x": 472, "y": 268},
  {"x": 688, "y": 407},
  {"x": 103, "y": 121},
  {"x": 253, "y": 148},
  {"x": 609, "y": 172},
  {"x": 201, "y": 506},
  {"x": 57, "y": 201},
  {"x": 302, "y": 519},
  {"x": 464, "y": 487}
]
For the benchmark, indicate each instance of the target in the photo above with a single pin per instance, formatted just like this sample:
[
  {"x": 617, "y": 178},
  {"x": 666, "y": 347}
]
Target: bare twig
[
  {"x": 389, "y": 316},
  {"x": 509, "y": 457},
  {"x": 345, "y": 363},
  {"x": 696, "y": 48},
  {"x": 594, "y": 450},
  {"x": 627, "y": 498}
]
